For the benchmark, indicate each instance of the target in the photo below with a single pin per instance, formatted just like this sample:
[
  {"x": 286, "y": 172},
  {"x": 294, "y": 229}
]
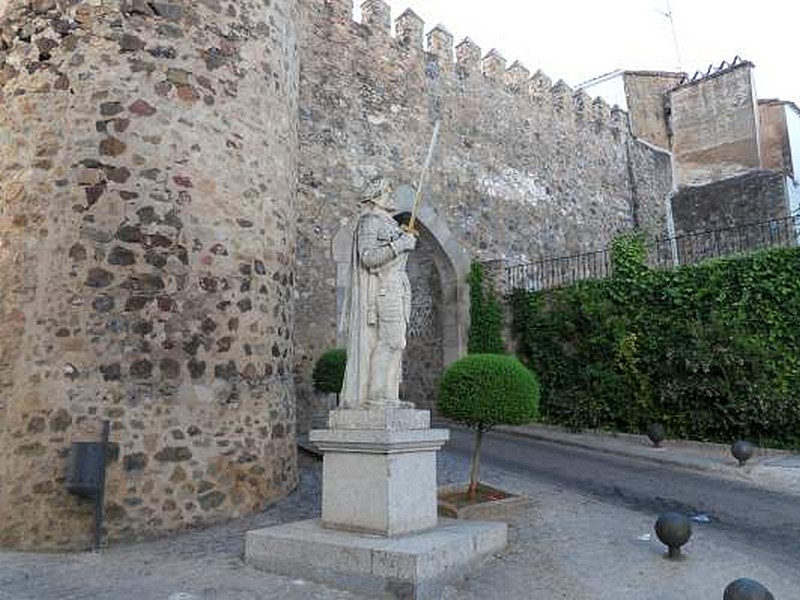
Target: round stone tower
[{"x": 147, "y": 176}]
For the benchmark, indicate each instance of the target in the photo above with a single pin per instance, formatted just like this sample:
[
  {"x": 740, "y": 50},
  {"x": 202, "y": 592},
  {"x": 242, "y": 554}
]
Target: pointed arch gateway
[{"x": 438, "y": 271}]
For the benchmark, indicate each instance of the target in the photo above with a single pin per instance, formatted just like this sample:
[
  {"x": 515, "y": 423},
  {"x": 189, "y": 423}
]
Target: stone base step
[{"x": 411, "y": 567}]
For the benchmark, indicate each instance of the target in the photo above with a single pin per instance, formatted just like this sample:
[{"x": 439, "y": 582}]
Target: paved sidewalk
[{"x": 774, "y": 470}]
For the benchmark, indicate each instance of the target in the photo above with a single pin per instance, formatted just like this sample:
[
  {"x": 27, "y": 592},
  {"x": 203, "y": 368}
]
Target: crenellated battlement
[
  {"x": 466, "y": 60},
  {"x": 468, "y": 56},
  {"x": 493, "y": 66},
  {"x": 409, "y": 29},
  {"x": 342, "y": 9},
  {"x": 539, "y": 85},
  {"x": 600, "y": 109},
  {"x": 440, "y": 44},
  {"x": 582, "y": 103},
  {"x": 517, "y": 76},
  {"x": 377, "y": 14},
  {"x": 561, "y": 95}
]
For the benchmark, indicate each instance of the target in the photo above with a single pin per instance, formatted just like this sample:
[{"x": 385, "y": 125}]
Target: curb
[
  {"x": 586, "y": 445},
  {"x": 637, "y": 447},
  {"x": 745, "y": 475}
]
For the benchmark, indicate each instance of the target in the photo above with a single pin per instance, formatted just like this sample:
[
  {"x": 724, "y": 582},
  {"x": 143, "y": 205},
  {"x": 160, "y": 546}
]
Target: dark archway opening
[{"x": 423, "y": 362}]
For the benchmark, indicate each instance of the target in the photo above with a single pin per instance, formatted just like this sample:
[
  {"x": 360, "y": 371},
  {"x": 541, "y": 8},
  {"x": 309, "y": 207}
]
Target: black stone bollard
[
  {"x": 674, "y": 530},
  {"x": 747, "y": 589},
  {"x": 742, "y": 451},
  {"x": 656, "y": 433}
]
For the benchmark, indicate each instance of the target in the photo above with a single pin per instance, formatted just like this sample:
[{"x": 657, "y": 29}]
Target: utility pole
[{"x": 668, "y": 14}]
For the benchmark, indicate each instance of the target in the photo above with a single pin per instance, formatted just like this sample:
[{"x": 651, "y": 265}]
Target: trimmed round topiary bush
[
  {"x": 485, "y": 390},
  {"x": 328, "y": 373}
]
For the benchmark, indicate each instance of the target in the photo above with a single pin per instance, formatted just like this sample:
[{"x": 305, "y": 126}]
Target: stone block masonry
[
  {"x": 524, "y": 169},
  {"x": 147, "y": 249}
]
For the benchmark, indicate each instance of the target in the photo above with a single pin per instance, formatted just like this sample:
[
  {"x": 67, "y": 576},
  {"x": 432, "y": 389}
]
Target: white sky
[{"x": 576, "y": 40}]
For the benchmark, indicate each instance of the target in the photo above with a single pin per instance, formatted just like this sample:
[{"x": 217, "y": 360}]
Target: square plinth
[
  {"x": 387, "y": 419},
  {"x": 413, "y": 567},
  {"x": 379, "y": 481}
]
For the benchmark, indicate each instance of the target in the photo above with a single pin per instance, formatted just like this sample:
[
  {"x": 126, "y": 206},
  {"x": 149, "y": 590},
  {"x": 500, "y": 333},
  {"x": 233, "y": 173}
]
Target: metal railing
[
  {"x": 662, "y": 253},
  {"x": 559, "y": 272},
  {"x": 741, "y": 239}
]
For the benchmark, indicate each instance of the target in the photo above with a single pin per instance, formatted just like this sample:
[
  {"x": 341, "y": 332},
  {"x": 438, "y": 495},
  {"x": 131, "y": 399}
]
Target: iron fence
[
  {"x": 741, "y": 239},
  {"x": 559, "y": 272},
  {"x": 662, "y": 253}
]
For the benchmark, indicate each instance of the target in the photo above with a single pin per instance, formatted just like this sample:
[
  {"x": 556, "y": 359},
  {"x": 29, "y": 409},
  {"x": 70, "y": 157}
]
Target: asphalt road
[{"x": 765, "y": 521}]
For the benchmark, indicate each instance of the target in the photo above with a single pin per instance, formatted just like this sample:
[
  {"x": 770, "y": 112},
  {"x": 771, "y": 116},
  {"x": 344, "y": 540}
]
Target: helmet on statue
[{"x": 379, "y": 191}]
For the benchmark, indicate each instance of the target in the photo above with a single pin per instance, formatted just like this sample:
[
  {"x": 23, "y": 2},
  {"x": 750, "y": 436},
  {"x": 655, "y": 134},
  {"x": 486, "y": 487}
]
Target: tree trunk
[{"x": 475, "y": 467}]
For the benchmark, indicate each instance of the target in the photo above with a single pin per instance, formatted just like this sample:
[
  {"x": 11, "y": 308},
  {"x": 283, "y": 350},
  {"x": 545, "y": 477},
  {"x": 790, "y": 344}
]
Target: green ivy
[
  {"x": 628, "y": 254},
  {"x": 711, "y": 350},
  {"x": 486, "y": 316}
]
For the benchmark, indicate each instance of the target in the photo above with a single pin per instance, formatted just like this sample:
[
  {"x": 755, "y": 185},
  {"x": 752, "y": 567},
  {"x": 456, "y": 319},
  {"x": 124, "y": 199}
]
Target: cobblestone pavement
[
  {"x": 563, "y": 546},
  {"x": 198, "y": 565},
  {"x": 574, "y": 547}
]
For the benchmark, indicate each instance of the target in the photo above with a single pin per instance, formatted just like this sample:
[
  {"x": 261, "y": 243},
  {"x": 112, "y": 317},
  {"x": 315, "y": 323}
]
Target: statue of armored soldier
[
  {"x": 379, "y": 454},
  {"x": 378, "y": 304}
]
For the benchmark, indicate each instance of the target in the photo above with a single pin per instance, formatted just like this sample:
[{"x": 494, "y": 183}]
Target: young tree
[{"x": 485, "y": 390}]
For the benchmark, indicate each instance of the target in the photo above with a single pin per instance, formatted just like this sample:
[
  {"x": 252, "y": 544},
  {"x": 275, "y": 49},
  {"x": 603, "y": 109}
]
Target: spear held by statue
[{"x": 426, "y": 167}]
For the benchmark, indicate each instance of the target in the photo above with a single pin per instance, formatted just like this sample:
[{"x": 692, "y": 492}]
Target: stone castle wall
[
  {"x": 148, "y": 167},
  {"x": 524, "y": 168},
  {"x": 179, "y": 184}
]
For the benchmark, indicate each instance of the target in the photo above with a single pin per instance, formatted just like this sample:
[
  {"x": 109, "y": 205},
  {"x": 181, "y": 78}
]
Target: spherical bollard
[
  {"x": 747, "y": 589},
  {"x": 656, "y": 433},
  {"x": 742, "y": 451},
  {"x": 674, "y": 530}
]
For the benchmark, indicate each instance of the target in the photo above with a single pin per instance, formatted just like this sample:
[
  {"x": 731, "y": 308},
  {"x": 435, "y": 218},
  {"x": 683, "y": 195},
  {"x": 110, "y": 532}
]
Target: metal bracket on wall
[{"x": 86, "y": 477}]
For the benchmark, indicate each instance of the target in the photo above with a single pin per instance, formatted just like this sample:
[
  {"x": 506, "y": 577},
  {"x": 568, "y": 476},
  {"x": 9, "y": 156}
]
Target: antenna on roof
[{"x": 668, "y": 14}]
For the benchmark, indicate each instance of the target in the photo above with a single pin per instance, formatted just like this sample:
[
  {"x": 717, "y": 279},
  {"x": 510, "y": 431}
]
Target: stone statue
[{"x": 378, "y": 304}]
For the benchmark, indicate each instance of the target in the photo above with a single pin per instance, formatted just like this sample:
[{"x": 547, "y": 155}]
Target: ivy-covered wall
[
  {"x": 712, "y": 351},
  {"x": 486, "y": 316}
]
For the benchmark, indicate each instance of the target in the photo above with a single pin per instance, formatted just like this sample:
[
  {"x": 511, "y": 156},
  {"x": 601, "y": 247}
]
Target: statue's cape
[{"x": 354, "y": 323}]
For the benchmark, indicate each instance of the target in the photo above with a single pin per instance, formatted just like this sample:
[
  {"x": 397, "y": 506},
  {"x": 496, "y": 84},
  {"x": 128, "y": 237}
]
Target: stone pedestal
[
  {"x": 379, "y": 471},
  {"x": 408, "y": 567},
  {"x": 379, "y": 531}
]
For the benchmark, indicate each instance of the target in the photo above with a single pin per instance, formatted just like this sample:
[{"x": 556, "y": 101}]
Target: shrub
[
  {"x": 711, "y": 350},
  {"x": 484, "y": 390},
  {"x": 628, "y": 254},
  {"x": 328, "y": 372},
  {"x": 486, "y": 316}
]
